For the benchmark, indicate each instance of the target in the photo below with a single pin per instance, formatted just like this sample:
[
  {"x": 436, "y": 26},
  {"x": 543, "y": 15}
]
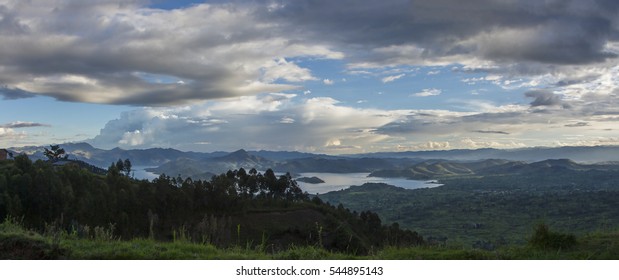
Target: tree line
[{"x": 41, "y": 193}]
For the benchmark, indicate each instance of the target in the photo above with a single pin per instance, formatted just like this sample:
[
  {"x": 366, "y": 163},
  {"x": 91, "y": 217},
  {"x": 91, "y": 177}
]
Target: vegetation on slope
[
  {"x": 19, "y": 243},
  {"x": 495, "y": 210},
  {"x": 233, "y": 208}
]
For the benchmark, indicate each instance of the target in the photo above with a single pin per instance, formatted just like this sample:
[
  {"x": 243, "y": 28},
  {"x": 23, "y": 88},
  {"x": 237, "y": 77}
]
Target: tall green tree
[
  {"x": 127, "y": 167},
  {"x": 55, "y": 153}
]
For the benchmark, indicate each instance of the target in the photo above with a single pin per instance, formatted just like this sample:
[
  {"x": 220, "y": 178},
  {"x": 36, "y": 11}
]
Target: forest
[
  {"x": 234, "y": 208},
  {"x": 495, "y": 210}
]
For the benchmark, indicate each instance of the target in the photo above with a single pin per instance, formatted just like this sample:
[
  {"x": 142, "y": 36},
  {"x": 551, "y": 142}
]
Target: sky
[{"x": 334, "y": 77}]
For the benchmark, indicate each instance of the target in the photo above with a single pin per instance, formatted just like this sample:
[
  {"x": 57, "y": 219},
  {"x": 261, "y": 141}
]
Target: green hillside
[
  {"x": 495, "y": 210},
  {"x": 19, "y": 243},
  {"x": 67, "y": 212},
  {"x": 232, "y": 209}
]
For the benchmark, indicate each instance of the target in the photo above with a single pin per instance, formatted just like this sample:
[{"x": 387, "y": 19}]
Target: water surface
[
  {"x": 333, "y": 181},
  {"x": 340, "y": 181}
]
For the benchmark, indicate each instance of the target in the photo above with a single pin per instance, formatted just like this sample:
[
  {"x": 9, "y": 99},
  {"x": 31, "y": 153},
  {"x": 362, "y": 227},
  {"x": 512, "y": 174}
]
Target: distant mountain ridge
[
  {"x": 103, "y": 158},
  {"x": 205, "y": 168},
  {"x": 586, "y": 154},
  {"x": 441, "y": 169},
  {"x": 204, "y": 165}
]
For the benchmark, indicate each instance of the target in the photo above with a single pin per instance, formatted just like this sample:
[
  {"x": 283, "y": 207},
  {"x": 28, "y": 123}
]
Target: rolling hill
[{"x": 433, "y": 169}]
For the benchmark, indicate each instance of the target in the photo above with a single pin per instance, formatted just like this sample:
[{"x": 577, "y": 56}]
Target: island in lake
[{"x": 310, "y": 180}]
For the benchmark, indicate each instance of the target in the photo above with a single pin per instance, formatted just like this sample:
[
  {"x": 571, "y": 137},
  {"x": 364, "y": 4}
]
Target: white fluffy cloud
[
  {"x": 266, "y": 121},
  {"x": 17, "y": 132},
  {"x": 390, "y": 79},
  {"x": 428, "y": 92}
]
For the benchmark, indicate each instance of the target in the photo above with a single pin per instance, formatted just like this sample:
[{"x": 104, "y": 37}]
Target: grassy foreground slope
[{"x": 19, "y": 243}]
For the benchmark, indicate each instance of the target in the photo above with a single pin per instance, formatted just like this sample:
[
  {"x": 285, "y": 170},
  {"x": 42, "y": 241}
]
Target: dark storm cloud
[{"x": 554, "y": 32}]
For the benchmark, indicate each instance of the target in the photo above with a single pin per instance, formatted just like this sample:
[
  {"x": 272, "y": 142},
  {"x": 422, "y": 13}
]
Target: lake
[
  {"x": 339, "y": 181},
  {"x": 140, "y": 173},
  {"x": 333, "y": 181}
]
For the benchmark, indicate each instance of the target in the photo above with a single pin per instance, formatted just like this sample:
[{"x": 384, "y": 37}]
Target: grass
[
  {"x": 434, "y": 253},
  {"x": 19, "y": 243},
  {"x": 143, "y": 249}
]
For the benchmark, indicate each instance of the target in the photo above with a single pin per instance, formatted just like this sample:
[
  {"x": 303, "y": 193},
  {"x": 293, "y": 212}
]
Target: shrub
[{"x": 545, "y": 239}]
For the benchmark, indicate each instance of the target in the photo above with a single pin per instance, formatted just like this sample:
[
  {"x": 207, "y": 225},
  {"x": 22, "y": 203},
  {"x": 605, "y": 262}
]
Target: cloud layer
[
  {"x": 229, "y": 74},
  {"x": 121, "y": 52},
  {"x": 322, "y": 124},
  {"x": 268, "y": 121}
]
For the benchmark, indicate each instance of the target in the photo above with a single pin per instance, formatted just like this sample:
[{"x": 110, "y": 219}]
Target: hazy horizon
[{"x": 316, "y": 153}]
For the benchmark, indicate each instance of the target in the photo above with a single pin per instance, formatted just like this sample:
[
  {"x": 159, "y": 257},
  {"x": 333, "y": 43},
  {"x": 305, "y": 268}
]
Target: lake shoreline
[{"x": 341, "y": 181}]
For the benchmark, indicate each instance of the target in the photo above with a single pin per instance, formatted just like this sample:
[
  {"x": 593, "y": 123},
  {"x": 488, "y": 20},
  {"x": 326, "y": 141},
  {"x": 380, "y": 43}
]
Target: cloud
[
  {"x": 129, "y": 54},
  {"x": 9, "y": 137},
  {"x": 491, "y": 132},
  {"x": 578, "y": 124},
  {"x": 318, "y": 124},
  {"x": 132, "y": 54},
  {"x": 132, "y": 139},
  {"x": 285, "y": 124},
  {"x": 328, "y": 82},
  {"x": 249, "y": 56},
  {"x": 13, "y": 93},
  {"x": 430, "y": 145},
  {"x": 10, "y": 133},
  {"x": 390, "y": 79},
  {"x": 287, "y": 120},
  {"x": 560, "y": 42},
  {"x": 20, "y": 124},
  {"x": 484, "y": 29},
  {"x": 287, "y": 71},
  {"x": 545, "y": 98},
  {"x": 483, "y": 143},
  {"x": 428, "y": 92}
]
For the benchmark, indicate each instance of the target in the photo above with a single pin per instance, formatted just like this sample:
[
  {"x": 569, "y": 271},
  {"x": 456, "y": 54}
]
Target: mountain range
[
  {"x": 412, "y": 164},
  {"x": 435, "y": 169},
  {"x": 584, "y": 154}
]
